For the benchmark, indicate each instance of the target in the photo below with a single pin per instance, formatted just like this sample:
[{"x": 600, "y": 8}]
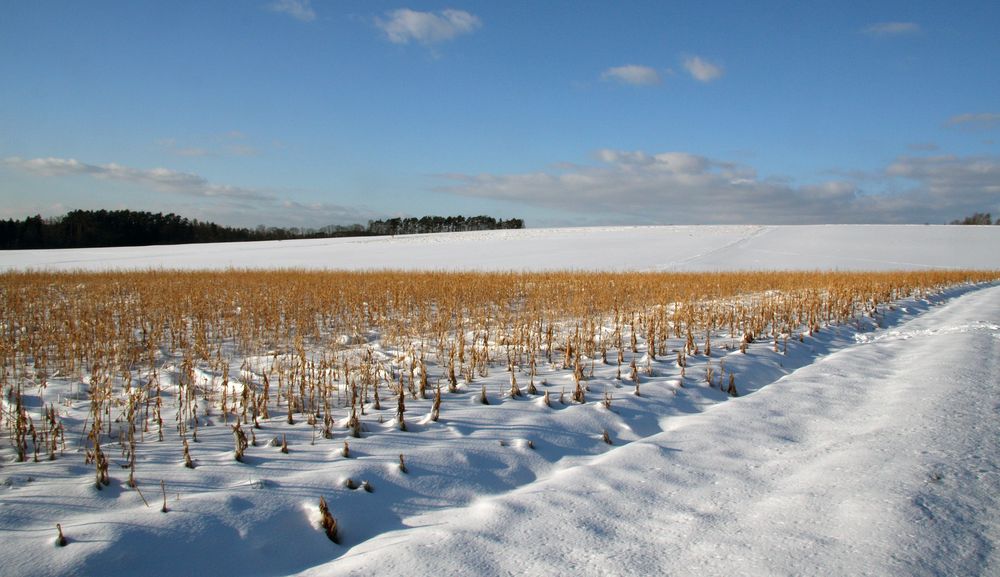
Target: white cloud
[
  {"x": 952, "y": 177},
  {"x": 674, "y": 162},
  {"x": 403, "y": 26},
  {"x": 682, "y": 188},
  {"x": 298, "y": 9},
  {"x": 160, "y": 179},
  {"x": 50, "y": 166},
  {"x": 981, "y": 120},
  {"x": 633, "y": 74},
  {"x": 701, "y": 69},
  {"x": 892, "y": 29}
]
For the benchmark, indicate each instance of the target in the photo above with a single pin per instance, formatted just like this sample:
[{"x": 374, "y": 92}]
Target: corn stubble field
[{"x": 252, "y": 377}]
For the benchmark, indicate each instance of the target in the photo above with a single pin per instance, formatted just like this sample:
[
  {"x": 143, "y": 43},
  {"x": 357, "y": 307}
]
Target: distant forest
[
  {"x": 977, "y": 218},
  {"x": 105, "y": 228},
  {"x": 440, "y": 224}
]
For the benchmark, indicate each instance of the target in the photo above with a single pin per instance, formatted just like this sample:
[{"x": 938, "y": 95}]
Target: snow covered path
[{"x": 880, "y": 459}]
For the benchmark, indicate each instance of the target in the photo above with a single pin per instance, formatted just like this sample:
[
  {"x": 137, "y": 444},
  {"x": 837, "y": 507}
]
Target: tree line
[
  {"x": 429, "y": 224},
  {"x": 977, "y": 218},
  {"x": 107, "y": 228}
]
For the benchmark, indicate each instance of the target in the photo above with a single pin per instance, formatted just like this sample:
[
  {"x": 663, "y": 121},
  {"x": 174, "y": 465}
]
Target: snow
[
  {"x": 865, "y": 449},
  {"x": 878, "y": 459},
  {"x": 661, "y": 248}
]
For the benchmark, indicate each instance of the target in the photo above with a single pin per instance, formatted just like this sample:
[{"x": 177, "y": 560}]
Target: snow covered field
[
  {"x": 664, "y": 248},
  {"x": 870, "y": 448},
  {"x": 879, "y": 458}
]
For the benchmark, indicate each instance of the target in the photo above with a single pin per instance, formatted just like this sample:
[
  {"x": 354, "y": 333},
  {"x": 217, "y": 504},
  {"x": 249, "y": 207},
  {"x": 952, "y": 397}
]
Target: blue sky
[{"x": 315, "y": 112}]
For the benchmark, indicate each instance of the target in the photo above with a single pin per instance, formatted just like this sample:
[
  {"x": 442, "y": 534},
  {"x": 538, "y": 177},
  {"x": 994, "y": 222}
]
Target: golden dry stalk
[
  {"x": 327, "y": 522},
  {"x": 304, "y": 341}
]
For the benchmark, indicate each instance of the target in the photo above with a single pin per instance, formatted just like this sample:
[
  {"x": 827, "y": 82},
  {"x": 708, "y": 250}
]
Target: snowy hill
[{"x": 662, "y": 248}]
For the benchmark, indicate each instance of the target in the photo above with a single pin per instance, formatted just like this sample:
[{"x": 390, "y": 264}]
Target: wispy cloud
[
  {"x": 298, "y": 9},
  {"x": 680, "y": 187},
  {"x": 980, "y": 120},
  {"x": 403, "y": 26},
  {"x": 701, "y": 69},
  {"x": 633, "y": 74},
  {"x": 231, "y": 143},
  {"x": 892, "y": 29},
  {"x": 159, "y": 179},
  {"x": 184, "y": 193},
  {"x": 283, "y": 213},
  {"x": 193, "y": 152}
]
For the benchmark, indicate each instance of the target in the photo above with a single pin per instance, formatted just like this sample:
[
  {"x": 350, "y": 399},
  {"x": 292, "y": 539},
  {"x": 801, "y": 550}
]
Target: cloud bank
[
  {"x": 615, "y": 187},
  {"x": 685, "y": 188}
]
